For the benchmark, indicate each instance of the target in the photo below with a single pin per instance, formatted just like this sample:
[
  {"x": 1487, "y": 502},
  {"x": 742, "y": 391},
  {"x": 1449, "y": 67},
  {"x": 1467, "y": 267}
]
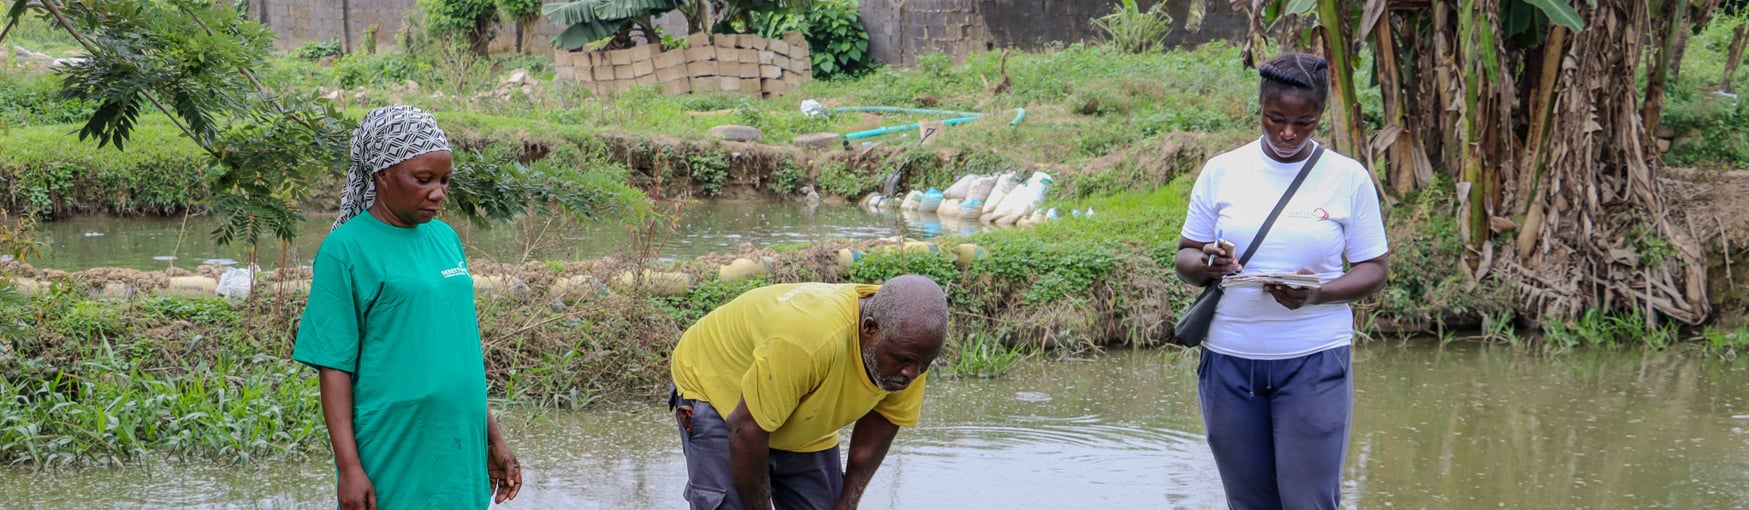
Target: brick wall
[{"x": 901, "y": 30}]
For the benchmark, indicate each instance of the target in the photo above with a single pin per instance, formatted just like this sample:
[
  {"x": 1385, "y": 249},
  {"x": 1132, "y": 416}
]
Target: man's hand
[
  {"x": 502, "y": 468},
  {"x": 356, "y": 491}
]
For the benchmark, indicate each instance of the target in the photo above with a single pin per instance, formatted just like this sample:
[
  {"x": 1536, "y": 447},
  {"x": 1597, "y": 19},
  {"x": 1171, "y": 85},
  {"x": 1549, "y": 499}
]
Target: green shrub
[
  {"x": 314, "y": 50},
  {"x": 469, "y": 20},
  {"x": 35, "y": 99},
  {"x": 837, "y": 179},
  {"x": 883, "y": 265},
  {"x": 1597, "y": 328},
  {"x": 837, "y": 41},
  {"x": 372, "y": 70},
  {"x": 48, "y": 170},
  {"x": 1132, "y": 30},
  {"x": 787, "y": 179},
  {"x": 1711, "y": 131},
  {"x": 90, "y": 321},
  {"x": 200, "y": 310}
]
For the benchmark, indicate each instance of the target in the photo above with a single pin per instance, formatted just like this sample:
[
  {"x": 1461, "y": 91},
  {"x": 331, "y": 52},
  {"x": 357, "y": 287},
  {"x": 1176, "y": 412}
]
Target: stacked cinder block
[{"x": 742, "y": 63}]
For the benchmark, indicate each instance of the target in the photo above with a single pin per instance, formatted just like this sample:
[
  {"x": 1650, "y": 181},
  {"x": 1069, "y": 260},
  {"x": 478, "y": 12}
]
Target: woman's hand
[
  {"x": 1219, "y": 260},
  {"x": 356, "y": 492},
  {"x": 1290, "y": 296},
  {"x": 502, "y": 467},
  {"x": 1199, "y": 263}
]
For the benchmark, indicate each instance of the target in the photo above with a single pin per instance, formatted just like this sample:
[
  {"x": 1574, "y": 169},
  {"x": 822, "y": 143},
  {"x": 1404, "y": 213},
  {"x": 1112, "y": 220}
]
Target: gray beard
[{"x": 873, "y": 366}]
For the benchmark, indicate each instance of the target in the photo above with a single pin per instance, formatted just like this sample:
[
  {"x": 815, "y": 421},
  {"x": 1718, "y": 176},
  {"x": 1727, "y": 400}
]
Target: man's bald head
[
  {"x": 903, "y": 331},
  {"x": 911, "y": 306}
]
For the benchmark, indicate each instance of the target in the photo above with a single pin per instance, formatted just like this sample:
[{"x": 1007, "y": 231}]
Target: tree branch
[{"x": 55, "y": 10}]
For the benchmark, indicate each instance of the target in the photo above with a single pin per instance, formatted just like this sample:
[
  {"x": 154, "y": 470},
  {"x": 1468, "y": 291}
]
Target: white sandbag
[
  {"x": 971, "y": 209},
  {"x": 960, "y": 188},
  {"x": 1005, "y": 184},
  {"x": 1024, "y": 201},
  {"x": 912, "y": 200},
  {"x": 981, "y": 189},
  {"x": 1014, "y": 201},
  {"x": 950, "y": 207}
]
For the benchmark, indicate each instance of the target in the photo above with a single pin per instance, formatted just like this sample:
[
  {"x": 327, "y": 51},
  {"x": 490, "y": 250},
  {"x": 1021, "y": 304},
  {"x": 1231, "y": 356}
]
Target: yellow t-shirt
[{"x": 792, "y": 351}]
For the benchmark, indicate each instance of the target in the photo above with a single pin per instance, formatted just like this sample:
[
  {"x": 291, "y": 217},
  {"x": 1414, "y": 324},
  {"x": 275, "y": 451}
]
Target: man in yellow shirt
[{"x": 764, "y": 383}]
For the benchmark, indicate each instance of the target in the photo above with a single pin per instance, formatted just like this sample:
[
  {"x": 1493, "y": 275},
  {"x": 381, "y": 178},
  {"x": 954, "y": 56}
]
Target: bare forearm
[
  {"x": 869, "y": 443},
  {"x": 1192, "y": 266},
  {"x": 749, "y": 451},
  {"x": 336, "y": 387},
  {"x": 1361, "y": 280},
  {"x": 493, "y": 436}
]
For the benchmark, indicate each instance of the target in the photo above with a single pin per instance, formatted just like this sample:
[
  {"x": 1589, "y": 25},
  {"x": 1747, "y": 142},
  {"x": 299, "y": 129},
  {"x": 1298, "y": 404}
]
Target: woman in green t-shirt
[{"x": 392, "y": 330}]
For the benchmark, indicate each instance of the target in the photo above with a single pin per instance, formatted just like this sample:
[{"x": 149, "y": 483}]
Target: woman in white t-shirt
[{"x": 1274, "y": 382}]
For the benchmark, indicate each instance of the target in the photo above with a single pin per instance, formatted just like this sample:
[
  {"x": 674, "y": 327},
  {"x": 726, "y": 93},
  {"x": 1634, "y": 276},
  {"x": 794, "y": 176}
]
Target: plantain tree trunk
[
  {"x": 1600, "y": 192},
  {"x": 1674, "y": 21}
]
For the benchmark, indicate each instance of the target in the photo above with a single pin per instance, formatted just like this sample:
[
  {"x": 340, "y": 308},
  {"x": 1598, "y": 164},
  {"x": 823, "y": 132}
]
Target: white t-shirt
[{"x": 1335, "y": 214}]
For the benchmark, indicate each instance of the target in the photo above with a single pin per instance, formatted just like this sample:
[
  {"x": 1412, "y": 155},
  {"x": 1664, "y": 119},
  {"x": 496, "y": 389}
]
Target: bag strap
[{"x": 1291, "y": 188}]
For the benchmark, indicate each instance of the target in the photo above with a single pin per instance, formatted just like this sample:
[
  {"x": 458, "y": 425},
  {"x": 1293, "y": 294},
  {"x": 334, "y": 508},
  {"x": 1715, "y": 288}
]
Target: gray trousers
[
  {"x": 1278, "y": 428},
  {"x": 799, "y": 481}
]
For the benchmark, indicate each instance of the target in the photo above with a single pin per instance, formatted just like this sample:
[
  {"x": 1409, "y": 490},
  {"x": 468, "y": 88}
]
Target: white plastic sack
[
  {"x": 949, "y": 208},
  {"x": 235, "y": 282},
  {"x": 1005, "y": 184},
  {"x": 981, "y": 188},
  {"x": 960, "y": 188}
]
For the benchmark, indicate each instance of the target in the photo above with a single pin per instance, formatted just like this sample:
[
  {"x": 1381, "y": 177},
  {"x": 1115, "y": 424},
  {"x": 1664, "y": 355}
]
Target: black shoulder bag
[{"x": 1193, "y": 324}]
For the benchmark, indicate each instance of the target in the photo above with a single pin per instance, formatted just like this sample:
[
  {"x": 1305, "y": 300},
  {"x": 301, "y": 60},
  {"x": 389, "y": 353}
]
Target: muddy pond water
[
  {"x": 1461, "y": 425},
  {"x": 154, "y": 243}
]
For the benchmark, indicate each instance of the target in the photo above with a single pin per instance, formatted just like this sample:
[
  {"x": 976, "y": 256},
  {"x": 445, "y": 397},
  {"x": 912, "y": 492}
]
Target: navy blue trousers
[{"x": 1278, "y": 428}]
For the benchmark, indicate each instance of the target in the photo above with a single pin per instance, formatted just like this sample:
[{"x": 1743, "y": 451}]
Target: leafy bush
[
  {"x": 886, "y": 264},
  {"x": 470, "y": 20},
  {"x": 786, "y": 180},
  {"x": 314, "y": 50},
  {"x": 837, "y": 179},
  {"x": 837, "y": 41},
  {"x": 201, "y": 310},
  {"x": 34, "y": 100},
  {"x": 47, "y": 170},
  {"x": 1710, "y": 130},
  {"x": 1132, "y": 30},
  {"x": 1054, "y": 270},
  {"x": 367, "y": 70}
]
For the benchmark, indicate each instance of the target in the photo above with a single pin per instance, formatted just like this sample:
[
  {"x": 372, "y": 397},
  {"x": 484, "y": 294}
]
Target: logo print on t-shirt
[
  {"x": 460, "y": 269},
  {"x": 1317, "y": 214}
]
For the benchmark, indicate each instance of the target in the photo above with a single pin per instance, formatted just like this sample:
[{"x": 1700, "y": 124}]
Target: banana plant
[{"x": 587, "y": 21}]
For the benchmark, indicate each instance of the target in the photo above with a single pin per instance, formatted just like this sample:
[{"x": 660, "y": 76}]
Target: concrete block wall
[
  {"x": 902, "y": 30},
  {"x": 747, "y": 64},
  {"x": 300, "y": 21}
]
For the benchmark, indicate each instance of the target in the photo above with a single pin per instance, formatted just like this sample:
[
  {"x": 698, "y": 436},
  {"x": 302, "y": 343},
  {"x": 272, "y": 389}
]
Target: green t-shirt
[{"x": 395, "y": 308}]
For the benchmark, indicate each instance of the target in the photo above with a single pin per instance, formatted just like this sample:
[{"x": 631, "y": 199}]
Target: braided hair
[{"x": 1293, "y": 73}]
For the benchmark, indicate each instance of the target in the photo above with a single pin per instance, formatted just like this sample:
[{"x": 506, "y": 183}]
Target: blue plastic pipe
[
  {"x": 896, "y": 109},
  {"x": 907, "y": 127}
]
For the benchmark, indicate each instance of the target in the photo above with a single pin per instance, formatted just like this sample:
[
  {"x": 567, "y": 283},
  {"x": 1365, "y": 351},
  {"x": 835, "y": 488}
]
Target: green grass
[
  {"x": 48, "y": 169},
  {"x": 1725, "y": 342},
  {"x": 983, "y": 355},
  {"x": 1597, "y": 328}
]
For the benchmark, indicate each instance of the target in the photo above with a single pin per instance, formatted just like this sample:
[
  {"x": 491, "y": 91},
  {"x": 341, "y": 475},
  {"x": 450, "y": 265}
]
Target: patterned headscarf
[{"x": 387, "y": 135}]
